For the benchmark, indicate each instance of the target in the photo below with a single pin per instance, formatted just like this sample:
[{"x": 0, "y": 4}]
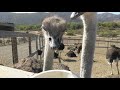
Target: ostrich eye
[{"x": 50, "y": 39}]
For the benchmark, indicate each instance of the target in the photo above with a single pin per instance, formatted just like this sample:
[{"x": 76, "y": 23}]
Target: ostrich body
[
  {"x": 71, "y": 54},
  {"x": 88, "y": 45},
  {"x": 53, "y": 29},
  {"x": 113, "y": 54}
]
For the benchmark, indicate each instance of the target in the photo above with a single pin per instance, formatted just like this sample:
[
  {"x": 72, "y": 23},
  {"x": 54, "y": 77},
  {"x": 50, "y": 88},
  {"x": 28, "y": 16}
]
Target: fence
[
  {"x": 101, "y": 42},
  {"x": 14, "y": 35}
]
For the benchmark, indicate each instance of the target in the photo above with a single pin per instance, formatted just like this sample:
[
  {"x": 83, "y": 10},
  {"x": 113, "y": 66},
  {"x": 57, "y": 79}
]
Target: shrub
[
  {"x": 108, "y": 33},
  {"x": 71, "y": 32},
  {"x": 74, "y": 25},
  {"x": 28, "y": 27}
]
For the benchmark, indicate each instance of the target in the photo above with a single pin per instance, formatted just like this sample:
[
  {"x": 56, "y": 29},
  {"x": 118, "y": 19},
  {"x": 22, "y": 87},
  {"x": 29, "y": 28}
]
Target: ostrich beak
[{"x": 74, "y": 15}]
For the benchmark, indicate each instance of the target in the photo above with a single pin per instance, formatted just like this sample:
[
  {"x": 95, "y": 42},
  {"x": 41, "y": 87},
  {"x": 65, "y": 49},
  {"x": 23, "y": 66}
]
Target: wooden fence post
[
  {"x": 108, "y": 45},
  {"x": 37, "y": 46},
  {"x": 40, "y": 45},
  {"x": 14, "y": 50},
  {"x": 30, "y": 51}
]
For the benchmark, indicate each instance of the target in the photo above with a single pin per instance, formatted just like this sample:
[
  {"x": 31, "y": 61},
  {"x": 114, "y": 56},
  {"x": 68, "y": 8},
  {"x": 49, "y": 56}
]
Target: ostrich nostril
[{"x": 50, "y": 39}]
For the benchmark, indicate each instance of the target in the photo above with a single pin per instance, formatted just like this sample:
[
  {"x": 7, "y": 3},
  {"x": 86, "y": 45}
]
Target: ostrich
[
  {"x": 79, "y": 48},
  {"x": 29, "y": 64},
  {"x": 88, "y": 45},
  {"x": 53, "y": 29},
  {"x": 71, "y": 54},
  {"x": 113, "y": 54}
]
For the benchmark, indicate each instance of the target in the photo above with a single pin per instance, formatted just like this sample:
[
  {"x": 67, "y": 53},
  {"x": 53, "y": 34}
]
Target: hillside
[
  {"x": 36, "y": 18},
  {"x": 108, "y": 17}
]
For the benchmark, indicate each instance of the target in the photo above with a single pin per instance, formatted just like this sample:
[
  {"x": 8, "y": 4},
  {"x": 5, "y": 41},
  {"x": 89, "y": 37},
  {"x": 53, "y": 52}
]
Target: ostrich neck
[
  {"x": 88, "y": 45},
  {"x": 48, "y": 57}
]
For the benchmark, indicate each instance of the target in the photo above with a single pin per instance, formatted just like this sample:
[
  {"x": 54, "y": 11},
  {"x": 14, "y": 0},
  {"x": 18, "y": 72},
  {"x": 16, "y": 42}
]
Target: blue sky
[{"x": 46, "y": 12}]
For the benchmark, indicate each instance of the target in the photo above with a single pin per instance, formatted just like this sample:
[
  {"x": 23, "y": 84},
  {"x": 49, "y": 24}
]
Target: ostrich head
[
  {"x": 76, "y": 14},
  {"x": 53, "y": 29}
]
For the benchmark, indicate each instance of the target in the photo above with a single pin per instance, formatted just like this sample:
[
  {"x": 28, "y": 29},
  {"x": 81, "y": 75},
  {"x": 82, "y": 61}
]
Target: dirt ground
[{"x": 101, "y": 69}]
